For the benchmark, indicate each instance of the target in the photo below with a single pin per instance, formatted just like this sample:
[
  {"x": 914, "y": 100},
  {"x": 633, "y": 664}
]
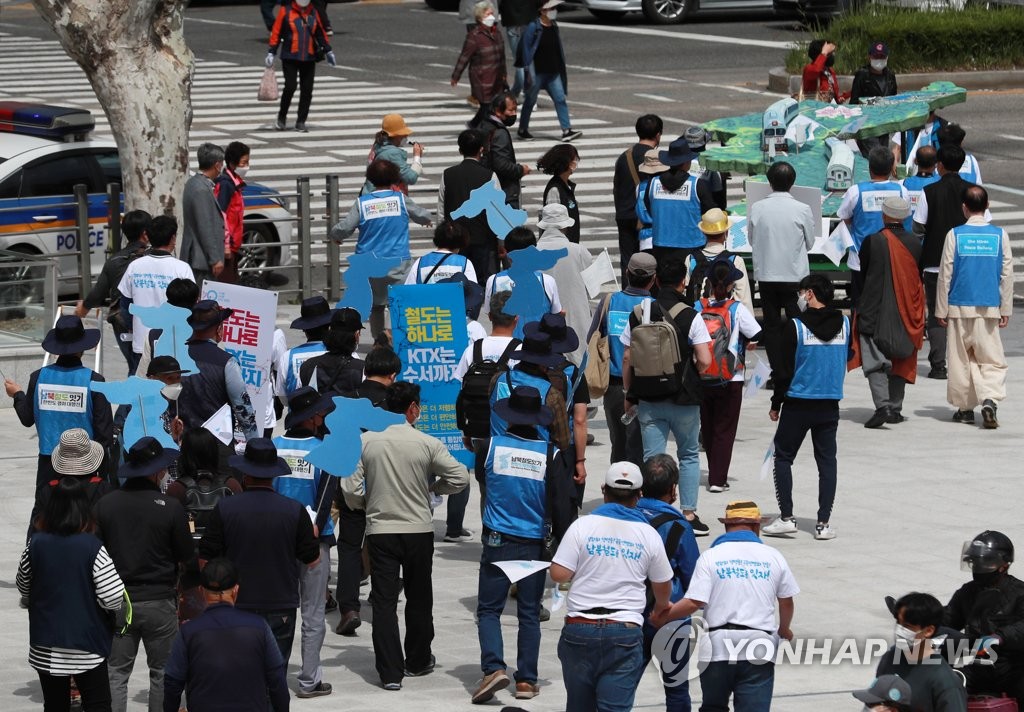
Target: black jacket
[
  {"x": 146, "y": 534},
  {"x": 110, "y": 276},
  {"x": 336, "y": 373},
  {"x": 825, "y": 324},
  {"x": 501, "y": 158},
  {"x": 866, "y": 84},
  {"x": 459, "y": 181},
  {"x": 945, "y": 199},
  {"x": 566, "y": 195},
  {"x": 373, "y": 392},
  {"x": 996, "y": 610},
  {"x": 623, "y": 185}
]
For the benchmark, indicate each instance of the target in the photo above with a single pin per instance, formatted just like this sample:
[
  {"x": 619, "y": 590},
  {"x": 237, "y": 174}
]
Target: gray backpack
[{"x": 657, "y": 363}]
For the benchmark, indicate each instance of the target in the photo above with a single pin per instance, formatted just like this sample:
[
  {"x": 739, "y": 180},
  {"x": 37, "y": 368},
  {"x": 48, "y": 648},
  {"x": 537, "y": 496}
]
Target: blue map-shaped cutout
[
  {"x": 147, "y": 405},
  {"x": 361, "y": 267},
  {"x": 489, "y": 199},
  {"x": 175, "y": 331},
  {"x": 528, "y": 300},
  {"x": 341, "y": 449}
]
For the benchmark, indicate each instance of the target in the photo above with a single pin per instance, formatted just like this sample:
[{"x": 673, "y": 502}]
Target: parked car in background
[{"x": 668, "y": 12}]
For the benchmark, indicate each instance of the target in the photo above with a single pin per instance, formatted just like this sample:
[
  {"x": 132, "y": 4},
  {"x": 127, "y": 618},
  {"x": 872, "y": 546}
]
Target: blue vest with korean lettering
[
  {"x": 915, "y": 186},
  {"x": 820, "y": 367},
  {"x": 62, "y": 401},
  {"x": 503, "y": 283},
  {"x": 515, "y": 501},
  {"x": 977, "y": 266},
  {"x": 675, "y": 214},
  {"x": 383, "y": 224},
  {"x": 301, "y": 485},
  {"x": 503, "y": 388},
  {"x": 619, "y": 308},
  {"x": 297, "y": 356},
  {"x": 453, "y": 265},
  {"x": 867, "y": 211}
]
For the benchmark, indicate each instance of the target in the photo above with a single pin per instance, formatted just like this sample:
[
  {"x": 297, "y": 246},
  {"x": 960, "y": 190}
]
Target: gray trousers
[
  {"x": 887, "y": 390},
  {"x": 155, "y": 623},
  {"x": 312, "y": 600}
]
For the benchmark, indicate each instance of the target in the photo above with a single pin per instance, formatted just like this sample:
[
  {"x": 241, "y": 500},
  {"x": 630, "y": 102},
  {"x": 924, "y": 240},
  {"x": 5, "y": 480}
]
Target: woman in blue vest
[
  {"x": 676, "y": 200},
  {"x": 60, "y": 395},
  {"x": 450, "y": 239},
  {"x": 72, "y": 587}
]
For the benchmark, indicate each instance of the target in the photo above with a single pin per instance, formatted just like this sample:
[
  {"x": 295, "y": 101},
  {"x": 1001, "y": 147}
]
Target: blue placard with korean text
[{"x": 428, "y": 327}]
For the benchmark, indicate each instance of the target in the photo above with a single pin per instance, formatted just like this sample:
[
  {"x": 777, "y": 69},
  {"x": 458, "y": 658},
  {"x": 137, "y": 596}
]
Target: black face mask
[
  {"x": 987, "y": 580},
  {"x": 510, "y": 120},
  {"x": 830, "y": 61}
]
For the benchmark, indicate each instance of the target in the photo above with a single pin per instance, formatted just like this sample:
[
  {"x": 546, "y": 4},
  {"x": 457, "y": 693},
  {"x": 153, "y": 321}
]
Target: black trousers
[
  {"x": 794, "y": 424},
  {"x": 301, "y": 73},
  {"x": 321, "y": 9},
  {"x": 409, "y": 559},
  {"x": 627, "y": 443},
  {"x": 778, "y": 304},
  {"x": 484, "y": 258},
  {"x": 936, "y": 333},
  {"x": 351, "y": 530},
  {"x": 629, "y": 242},
  {"x": 94, "y": 686}
]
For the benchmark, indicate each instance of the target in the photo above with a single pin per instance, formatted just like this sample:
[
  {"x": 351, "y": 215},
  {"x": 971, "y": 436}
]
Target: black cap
[
  {"x": 163, "y": 366},
  {"x": 69, "y": 336},
  {"x": 304, "y": 403},
  {"x": 260, "y": 460},
  {"x": 313, "y": 313},
  {"x": 207, "y": 313},
  {"x": 346, "y": 319},
  {"x": 219, "y": 575},
  {"x": 146, "y": 457}
]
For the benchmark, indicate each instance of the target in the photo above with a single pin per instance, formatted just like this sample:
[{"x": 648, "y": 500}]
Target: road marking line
[
  {"x": 681, "y": 35},
  {"x": 1004, "y": 189},
  {"x": 656, "y": 97},
  {"x": 1011, "y": 137},
  {"x": 413, "y": 45}
]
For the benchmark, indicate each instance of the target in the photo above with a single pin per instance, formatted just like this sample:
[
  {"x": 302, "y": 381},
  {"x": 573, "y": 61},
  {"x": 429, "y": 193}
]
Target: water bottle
[{"x": 629, "y": 416}]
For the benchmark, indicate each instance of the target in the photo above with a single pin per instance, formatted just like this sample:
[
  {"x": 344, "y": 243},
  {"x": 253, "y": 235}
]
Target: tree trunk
[{"x": 135, "y": 56}]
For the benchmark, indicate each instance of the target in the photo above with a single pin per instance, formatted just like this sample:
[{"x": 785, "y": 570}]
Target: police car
[{"x": 45, "y": 152}]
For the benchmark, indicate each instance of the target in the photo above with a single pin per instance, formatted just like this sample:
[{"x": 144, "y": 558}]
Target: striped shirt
[{"x": 109, "y": 595}]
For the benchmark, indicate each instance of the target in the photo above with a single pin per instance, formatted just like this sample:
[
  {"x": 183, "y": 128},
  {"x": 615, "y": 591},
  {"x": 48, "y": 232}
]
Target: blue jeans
[
  {"x": 552, "y": 83},
  {"x": 750, "y": 684},
  {"x": 677, "y": 696},
  {"x": 491, "y": 596},
  {"x": 601, "y": 666},
  {"x": 513, "y": 35},
  {"x": 657, "y": 418}
]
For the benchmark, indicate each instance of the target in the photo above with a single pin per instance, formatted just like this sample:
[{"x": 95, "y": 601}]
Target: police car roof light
[{"x": 59, "y": 123}]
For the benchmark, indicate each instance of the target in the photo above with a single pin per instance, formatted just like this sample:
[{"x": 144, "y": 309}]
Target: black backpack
[
  {"x": 675, "y": 533},
  {"x": 473, "y": 406},
  {"x": 202, "y": 493},
  {"x": 699, "y": 283}
]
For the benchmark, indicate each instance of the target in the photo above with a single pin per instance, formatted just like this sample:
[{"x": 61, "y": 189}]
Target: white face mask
[
  {"x": 879, "y": 64},
  {"x": 801, "y": 302},
  {"x": 302, "y": 3},
  {"x": 552, "y": 14},
  {"x": 404, "y": 142},
  {"x": 240, "y": 171},
  {"x": 903, "y": 633},
  {"x": 489, "y": 21},
  {"x": 172, "y": 391}
]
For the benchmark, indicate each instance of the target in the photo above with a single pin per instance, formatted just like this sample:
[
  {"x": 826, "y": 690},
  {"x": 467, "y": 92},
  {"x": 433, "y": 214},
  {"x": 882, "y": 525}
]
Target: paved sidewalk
[{"x": 909, "y": 495}]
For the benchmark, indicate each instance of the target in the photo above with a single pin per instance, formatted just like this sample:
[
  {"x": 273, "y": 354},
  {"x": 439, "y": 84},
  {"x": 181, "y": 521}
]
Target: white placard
[
  {"x": 221, "y": 425},
  {"x": 758, "y": 377},
  {"x": 811, "y": 197},
  {"x": 517, "y": 570},
  {"x": 598, "y": 274},
  {"x": 768, "y": 465}
]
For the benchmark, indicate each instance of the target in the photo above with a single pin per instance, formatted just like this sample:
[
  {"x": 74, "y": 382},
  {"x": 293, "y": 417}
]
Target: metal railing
[{"x": 28, "y": 298}]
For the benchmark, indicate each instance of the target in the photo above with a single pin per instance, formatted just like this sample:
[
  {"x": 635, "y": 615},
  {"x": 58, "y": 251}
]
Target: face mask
[
  {"x": 986, "y": 580},
  {"x": 404, "y": 142},
  {"x": 240, "y": 171},
  {"x": 801, "y": 302},
  {"x": 302, "y": 3},
  {"x": 879, "y": 64},
  {"x": 903, "y": 633},
  {"x": 552, "y": 14},
  {"x": 172, "y": 391},
  {"x": 510, "y": 120},
  {"x": 489, "y": 21}
]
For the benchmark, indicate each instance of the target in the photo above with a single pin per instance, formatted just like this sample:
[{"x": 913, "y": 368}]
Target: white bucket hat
[
  {"x": 76, "y": 454},
  {"x": 554, "y": 216}
]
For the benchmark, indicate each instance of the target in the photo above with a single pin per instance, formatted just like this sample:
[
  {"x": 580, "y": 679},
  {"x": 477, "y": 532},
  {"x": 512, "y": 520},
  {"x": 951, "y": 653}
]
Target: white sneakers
[
  {"x": 784, "y": 527},
  {"x": 824, "y": 531}
]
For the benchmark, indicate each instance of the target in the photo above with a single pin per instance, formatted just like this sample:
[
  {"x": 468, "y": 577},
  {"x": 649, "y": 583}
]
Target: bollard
[
  {"x": 84, "y": 250},
  {"x": 114, "y": 216},
  {"x": 305, "y": 239},
  {"x": 333, "y": 248}
]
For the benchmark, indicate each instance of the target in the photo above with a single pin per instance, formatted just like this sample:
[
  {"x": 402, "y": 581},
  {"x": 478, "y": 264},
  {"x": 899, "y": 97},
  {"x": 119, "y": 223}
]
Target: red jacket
[
  {"x": 295, "y": 29},
  {"x": 484, "y": 53},
  {"x": 228, "y": 191},
  {"x": 818, "y": 78}
]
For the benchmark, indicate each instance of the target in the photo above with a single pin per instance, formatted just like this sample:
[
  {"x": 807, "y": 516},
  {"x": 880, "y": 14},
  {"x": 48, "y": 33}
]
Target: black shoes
[
  {"x": 938, "y": 373},
  {"x": 988, "y": 415},
  {"x": 331, "y": 605},
  {"x": 525, "y": 135},
  {"x": 965, "y": 416},
  {"x": 699, "y": 527},
  {"x": 322, "y": 689},
  {"x": 878, "y": 419},
  {"x": 894, "y": 417},
  {"x": 348, "y": 623},
  {"x": 570, "y": 135},
  {"x": 425, "y": 671}
]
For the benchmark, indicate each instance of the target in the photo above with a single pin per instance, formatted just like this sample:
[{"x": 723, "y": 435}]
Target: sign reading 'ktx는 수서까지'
[{"x": 428, "y": 323}]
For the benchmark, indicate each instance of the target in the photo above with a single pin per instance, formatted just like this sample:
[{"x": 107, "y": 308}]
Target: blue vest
[
  {"x": 62, "y": 401},
  {"x": 867, "y": 211},
  {"x": 301, "y": 485},
  {"x": 915, "y": 186},
  {"x": 453, "y": 265},
  {"x": 515, "y": 501},
  {"x": 503, "y": 283},
  {"x": 502, "y": 389},
  {"x": 383, "y": 224},
  {"x": 977, "y": 266},
  {"x": 820, "y": 365},
  {"x": 967, "y": 170},
  {"x": 619, "y": 308},
  {"x": 643, "y": 215},
  {"x": 63, "y": 612},
  {"x": 675, "y": 215},
  {"x": 297, "y": 356}
]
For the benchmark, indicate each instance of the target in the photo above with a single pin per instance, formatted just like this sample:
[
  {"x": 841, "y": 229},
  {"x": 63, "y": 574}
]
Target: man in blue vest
[
  {"x": 60, "y": 395},
  {"x": 954, "y": 135},
  {"x": 517, "y": 468},
  {"x": 927, "y": 158},
  {"x": 861, "y": 209},
  {"x": 382, "y": 218},
  {"x": 808, "y": 388},
  {"x": 974, "y": 300},
  {"x": 314, "y": 318},
  {"x": 676, "y": 200},
  {"x": 610, "y": 318},
  {"x": 315, "y": 490}
]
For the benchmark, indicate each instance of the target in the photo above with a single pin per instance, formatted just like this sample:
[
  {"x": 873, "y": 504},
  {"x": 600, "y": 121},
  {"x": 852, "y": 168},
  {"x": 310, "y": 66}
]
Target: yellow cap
[
  {"x": 394, "y": 125},
  {"x": 746, "y": 512},
  {"x": 714, "y": 222}
]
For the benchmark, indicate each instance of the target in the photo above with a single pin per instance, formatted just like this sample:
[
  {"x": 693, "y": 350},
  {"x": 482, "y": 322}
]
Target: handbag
[
  {"x": 598, "y": 357},
  {"x": 268, "y": 86}
]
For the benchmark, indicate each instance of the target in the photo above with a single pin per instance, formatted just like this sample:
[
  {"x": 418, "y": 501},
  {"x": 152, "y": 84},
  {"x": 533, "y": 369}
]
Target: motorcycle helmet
[{"x": 986, "y": 552}]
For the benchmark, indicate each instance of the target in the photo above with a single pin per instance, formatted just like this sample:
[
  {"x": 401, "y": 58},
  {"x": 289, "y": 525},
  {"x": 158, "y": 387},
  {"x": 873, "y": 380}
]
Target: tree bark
[{"x": 135, "y": 56}]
